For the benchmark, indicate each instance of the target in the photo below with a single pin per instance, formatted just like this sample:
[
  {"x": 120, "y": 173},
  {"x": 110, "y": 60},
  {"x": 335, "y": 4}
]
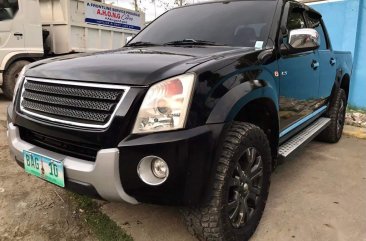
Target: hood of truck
[{"x": 129, "y": 66}]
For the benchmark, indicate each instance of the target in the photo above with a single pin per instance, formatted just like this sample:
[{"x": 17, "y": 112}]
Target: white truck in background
[{"x": 34, "y": 29}]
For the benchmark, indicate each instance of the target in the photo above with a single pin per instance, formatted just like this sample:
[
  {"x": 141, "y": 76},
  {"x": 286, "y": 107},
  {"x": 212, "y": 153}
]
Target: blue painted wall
[{"x": 346, "y": 24}]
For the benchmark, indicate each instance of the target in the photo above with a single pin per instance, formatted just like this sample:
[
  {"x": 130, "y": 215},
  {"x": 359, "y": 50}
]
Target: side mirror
[{"x": 301, "y": 40}]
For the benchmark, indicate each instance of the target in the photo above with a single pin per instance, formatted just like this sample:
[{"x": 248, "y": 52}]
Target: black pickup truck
[{"x": 195, "y": 111}]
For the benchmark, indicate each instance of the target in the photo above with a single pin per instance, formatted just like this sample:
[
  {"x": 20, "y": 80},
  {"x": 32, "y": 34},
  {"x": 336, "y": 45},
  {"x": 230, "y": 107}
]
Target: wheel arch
[
  {"x": 257, "y": 105},
  {"x": 342, "y": 81},
  {"x": 263, "y": 113},
  {"x": 20, "y": 57},
  {"x": 11, "y": 58},
  {"x": 345, "y": 84}
]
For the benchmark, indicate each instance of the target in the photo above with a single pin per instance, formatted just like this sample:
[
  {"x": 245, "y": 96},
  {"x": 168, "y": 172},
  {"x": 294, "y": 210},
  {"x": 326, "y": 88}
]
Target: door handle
[
  {"x": 18, "y": 34},
  {"x": 315, "y": 64},
  {"x": 333, "y": 61}
]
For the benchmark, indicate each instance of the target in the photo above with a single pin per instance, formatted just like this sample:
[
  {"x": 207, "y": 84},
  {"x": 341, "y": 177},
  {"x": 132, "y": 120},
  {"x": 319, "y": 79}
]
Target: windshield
[
  {"x": 237, "y": 23},
  {"x": 8, "y": 9}
]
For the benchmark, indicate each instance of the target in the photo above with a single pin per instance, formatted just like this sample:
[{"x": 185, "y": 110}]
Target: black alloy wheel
[
  {"x": 336, "y": 113},
  {"x": 245, "y": 187},
  {"x": 341, "y": 117},
  {"x": 240, "y": 188}
]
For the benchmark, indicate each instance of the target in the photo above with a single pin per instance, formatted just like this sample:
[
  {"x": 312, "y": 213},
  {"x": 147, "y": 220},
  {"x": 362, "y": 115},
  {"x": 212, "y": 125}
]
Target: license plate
[{"x": 44, "y": 167}]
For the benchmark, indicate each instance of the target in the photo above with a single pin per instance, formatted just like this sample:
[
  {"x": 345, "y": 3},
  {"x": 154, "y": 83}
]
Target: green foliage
[{"x": 100, "y": 224}]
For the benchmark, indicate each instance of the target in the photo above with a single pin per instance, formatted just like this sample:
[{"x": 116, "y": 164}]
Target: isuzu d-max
[{"x": 195, "y": 111}]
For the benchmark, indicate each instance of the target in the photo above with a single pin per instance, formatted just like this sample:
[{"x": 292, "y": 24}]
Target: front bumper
[
  {"x": 103, "y": 174},
  {"x": 191, "y": 156}
]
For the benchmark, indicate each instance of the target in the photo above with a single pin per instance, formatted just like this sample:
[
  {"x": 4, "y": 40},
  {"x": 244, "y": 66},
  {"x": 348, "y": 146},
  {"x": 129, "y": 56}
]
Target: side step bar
[{"x": 303, "y": 138}]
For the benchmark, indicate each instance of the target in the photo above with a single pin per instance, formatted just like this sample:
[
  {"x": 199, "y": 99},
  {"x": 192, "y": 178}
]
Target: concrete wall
[
  {"x": 359, "y": 92},
  {"x": 346, "y": 24}
]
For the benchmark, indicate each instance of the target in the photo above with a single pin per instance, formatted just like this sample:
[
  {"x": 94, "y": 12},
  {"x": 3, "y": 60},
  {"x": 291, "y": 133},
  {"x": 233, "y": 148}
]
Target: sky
[{"x": 147, "y": 6}]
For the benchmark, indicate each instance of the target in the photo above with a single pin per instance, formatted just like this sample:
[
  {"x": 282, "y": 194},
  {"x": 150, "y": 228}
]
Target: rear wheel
[
  {"x": 10, "y": 77},
  {"x": 240, "y": 188},
  {"x": 337, "y": 114}
]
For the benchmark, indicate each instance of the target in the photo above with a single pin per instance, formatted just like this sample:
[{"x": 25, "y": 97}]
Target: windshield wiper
[
  {"x": 192, "y": 42},
  {"x": 141, "y": 43}
]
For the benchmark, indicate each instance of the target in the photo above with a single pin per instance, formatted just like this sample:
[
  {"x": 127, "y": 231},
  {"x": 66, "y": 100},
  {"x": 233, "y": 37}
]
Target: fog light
[
  {"x": 153, "y": 170},
  {"x": 159, "y": 168}
]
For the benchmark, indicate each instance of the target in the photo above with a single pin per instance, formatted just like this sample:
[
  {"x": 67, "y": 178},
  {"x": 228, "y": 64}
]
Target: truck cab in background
[
  {"x": 20, "y": 39},
  {"x": 34, "y": 29}
]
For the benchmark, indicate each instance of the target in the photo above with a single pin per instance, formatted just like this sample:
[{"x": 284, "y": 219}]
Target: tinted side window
[
  {"x": 295, "y": 19},
  {"x": 315, "y": 23},
  {"x": 8, "y": 9}
]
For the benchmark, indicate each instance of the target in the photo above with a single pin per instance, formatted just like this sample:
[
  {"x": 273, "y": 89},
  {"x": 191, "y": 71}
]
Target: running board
[{"x": 303, "y": 138}]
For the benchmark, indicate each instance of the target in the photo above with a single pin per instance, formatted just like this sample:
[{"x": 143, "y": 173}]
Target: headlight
[
  {"x": 18, "y": 81},
  {"x": 165, "y": 105}
]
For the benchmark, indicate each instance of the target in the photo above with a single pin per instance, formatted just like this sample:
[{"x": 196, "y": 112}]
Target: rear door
[
  {"x": 299, "y": 77},
  {"x": 327, "y": 58}
]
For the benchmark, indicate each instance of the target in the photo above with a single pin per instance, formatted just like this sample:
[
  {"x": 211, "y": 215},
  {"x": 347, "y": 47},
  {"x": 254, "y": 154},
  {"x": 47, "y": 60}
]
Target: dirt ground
[{"x": 31, "y": 209}]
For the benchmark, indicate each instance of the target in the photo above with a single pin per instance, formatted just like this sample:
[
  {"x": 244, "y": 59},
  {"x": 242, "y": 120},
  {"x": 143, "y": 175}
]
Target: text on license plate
[{"x": 44, "y": 167}]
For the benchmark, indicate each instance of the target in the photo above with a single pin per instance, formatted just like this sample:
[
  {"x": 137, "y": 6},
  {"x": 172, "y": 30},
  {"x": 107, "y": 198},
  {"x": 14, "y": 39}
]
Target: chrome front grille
[{"x": 72, "y": 103}]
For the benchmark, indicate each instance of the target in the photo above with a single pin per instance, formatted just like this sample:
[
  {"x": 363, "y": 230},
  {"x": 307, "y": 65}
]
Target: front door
[
  {"x": 299, "y": 79},
  {"x": 11, "y": 27}
]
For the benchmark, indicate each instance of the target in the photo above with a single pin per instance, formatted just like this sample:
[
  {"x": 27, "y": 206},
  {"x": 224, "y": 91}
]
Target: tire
[
  {"x": 231, "y": 190},
  {"x": 337, "y": 114},
  {"x": 11, "y": 76}
]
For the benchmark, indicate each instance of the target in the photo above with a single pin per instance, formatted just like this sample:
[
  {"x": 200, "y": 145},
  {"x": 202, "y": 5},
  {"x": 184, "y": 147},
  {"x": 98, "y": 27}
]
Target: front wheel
[
  {"x": 10, "y": 77},
  {"x": 240, "y": 188}
]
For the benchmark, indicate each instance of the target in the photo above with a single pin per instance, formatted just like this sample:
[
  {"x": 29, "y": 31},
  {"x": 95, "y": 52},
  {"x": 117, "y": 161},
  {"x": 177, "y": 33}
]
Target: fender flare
[
  {"x": 340, "y": 75},
  {"x": 229, "y": 106},
  {"x": 344, "y": 69}
]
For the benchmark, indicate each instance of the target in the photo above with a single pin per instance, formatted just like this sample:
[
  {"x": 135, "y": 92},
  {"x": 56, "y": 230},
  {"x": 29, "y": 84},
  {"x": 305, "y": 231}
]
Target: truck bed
[{"x": 70, "y": 32}]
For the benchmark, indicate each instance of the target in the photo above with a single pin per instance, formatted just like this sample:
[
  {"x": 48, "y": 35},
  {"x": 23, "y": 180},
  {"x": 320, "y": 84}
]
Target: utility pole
[{"x": 155, "y": 7}]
